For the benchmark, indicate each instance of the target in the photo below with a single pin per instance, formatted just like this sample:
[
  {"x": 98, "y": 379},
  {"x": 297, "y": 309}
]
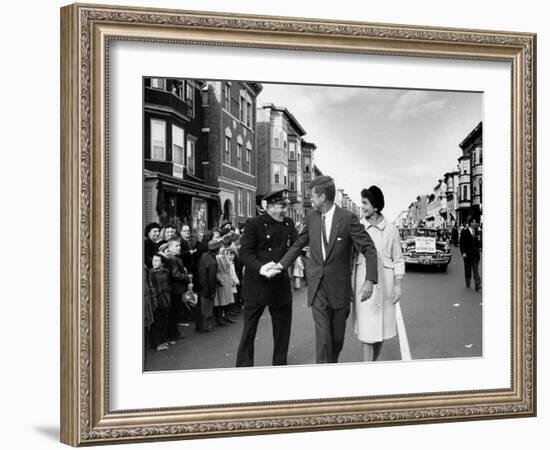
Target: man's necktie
[{"x": 324, "y": 233}]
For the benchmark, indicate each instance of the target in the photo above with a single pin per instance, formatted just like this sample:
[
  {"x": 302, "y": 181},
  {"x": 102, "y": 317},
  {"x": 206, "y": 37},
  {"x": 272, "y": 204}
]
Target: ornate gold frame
[{"x": 86, "y": 31}]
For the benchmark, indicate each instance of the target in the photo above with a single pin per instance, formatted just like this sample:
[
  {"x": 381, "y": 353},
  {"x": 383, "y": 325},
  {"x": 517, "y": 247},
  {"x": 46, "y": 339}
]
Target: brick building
[
  {"x": 175, "y": 188},
  {"x": 470, "y": 178},
  {"x": 229, "y": 128},
  {"x": 308, "y": 161}
]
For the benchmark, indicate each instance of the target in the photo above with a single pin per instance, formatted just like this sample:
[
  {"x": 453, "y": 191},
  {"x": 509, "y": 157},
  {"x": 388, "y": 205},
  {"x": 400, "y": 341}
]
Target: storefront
[{"x": 180, "y": 202}]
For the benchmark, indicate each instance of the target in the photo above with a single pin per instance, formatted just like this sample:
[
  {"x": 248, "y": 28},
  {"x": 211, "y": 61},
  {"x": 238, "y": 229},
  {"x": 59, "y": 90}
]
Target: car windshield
[{"x": 424, "y": 232}]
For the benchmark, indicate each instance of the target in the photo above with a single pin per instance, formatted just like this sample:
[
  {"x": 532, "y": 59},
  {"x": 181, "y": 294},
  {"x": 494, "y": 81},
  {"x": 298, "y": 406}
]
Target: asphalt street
[{"x": 442, "y": 319}]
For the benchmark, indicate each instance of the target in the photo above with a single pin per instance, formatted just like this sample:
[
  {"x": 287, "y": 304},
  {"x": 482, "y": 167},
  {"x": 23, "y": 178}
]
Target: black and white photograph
[{"x": 293, "y": 224}]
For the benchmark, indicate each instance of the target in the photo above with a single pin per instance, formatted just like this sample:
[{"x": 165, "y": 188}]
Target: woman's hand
[{"x": 396, "y": 295}]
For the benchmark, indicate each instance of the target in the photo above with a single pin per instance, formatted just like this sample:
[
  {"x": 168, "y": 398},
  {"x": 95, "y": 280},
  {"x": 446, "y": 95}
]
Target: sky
[{"x": 401, "y": 140}]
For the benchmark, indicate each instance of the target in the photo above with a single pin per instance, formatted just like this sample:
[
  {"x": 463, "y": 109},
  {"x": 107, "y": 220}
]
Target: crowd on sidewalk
[{"x": 192, "y": 279}]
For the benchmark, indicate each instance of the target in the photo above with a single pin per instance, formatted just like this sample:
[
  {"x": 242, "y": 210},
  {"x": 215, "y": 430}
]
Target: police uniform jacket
[{"x": 265, "y": 240}]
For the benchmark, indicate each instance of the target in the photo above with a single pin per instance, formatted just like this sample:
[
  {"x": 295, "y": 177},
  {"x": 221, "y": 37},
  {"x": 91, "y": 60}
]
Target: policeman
[{"x": 266, "y": 238}]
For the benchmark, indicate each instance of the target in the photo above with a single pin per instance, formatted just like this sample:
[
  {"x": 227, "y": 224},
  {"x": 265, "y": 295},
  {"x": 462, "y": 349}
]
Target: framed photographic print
[{"x": 284, "y": 224}]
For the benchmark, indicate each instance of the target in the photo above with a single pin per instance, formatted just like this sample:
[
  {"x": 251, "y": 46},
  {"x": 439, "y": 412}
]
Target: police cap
[{"x": 280, "y": 196}]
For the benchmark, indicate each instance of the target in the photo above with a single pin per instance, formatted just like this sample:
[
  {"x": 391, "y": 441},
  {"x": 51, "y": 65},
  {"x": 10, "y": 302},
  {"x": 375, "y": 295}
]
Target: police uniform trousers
[
  {"x": 281, "y": 318},
  {"x": 330, "y": 326}
]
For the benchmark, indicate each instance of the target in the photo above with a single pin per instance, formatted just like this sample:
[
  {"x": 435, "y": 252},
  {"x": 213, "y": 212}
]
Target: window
[
  {"x": 191, "y": 141},
  {"x": 465, "y": 194},
  {"x": 276, "y": 174},
  {"x": 307, "y": 164},
  {"x": 158, "y": 140},
  {"x": 480, "y": 155},
  {"x": 227, "y": 150},
  {"x": 204, "y": 98},
  {"x": 177, "y": 144},
  {"x": 158, "y": 83},
  {"x": 251, "y": 205},
  {"x": 275, "y": 142},
  {"x": 177, "y": 88},
  {"x": 242, "y": 109},
  {"x": 240, "y": 156},
  {"x": 249, "y": 115},
  {"x": 190, "y": 97},
  {"x": 292, "y": 182},
  {"x": 248, "y": 154},
  {"x": 227, "y": 96},
  {"x": 292, "y": 150},
  {"x": 240, "y": 201},
  {"x": 285, "y": 175}
]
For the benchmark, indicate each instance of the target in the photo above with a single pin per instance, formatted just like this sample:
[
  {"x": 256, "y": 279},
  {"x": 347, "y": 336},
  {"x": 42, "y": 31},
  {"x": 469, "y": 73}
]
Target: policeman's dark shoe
[
  {"x": 227, "y": 320},
  {"x": 220, "y": 323},
  {"x": 478, "y": 289}
]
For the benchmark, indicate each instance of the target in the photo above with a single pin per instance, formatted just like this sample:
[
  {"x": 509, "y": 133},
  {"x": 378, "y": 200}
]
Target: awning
[{"x": 187, "y": 190}]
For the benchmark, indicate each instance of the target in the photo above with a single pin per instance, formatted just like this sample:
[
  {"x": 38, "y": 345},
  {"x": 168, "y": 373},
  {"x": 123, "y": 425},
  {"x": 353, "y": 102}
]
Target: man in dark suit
[
  {"x": 470, "y": 246},
  {"x": 332, "y": 234},
  {"x": 266, "y": 238}
]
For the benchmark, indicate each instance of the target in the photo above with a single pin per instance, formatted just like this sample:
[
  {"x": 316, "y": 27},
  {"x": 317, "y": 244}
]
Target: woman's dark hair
[
  {"x": 151, "y": 226},
  {"x": 324, "y": 185},
  {"x": 375, "y": 196}
]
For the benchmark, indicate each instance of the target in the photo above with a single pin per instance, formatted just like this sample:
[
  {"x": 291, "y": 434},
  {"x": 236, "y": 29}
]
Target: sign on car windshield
[{"x": 424, "y": 244}]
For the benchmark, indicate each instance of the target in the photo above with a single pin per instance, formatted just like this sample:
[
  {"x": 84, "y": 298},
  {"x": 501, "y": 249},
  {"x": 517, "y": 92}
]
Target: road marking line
[{"x": 402, "y": 333}]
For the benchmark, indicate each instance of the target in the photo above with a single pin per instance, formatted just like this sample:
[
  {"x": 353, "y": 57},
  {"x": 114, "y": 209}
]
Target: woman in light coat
[{"x": 374, "y": 318}]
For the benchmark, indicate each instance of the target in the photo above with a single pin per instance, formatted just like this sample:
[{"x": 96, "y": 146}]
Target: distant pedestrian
[
  {"x": 454, "y": 235},
  {"x": 298, "y": 272},
  {"x": 470, "y": 246}
]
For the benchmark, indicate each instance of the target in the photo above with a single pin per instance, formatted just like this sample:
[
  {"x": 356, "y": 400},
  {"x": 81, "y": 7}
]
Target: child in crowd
[
  {"x": 179, "y": 280},
  {"x": 159, "y": 282},
  {"x": 224, "y": 290}
]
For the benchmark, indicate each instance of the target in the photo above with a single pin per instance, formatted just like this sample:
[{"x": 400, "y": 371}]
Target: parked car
[{"x": 424, "y": 246}]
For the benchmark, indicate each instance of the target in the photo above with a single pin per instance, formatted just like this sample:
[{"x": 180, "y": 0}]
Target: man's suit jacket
[
  {"x": 469, "y": 244},
  {"x": 346, "y": 234}
]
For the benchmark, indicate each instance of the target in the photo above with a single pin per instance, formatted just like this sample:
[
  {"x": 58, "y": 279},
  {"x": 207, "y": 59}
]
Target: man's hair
[
  {"x": 471, "y": 219},
  {"x": 186, "y": 225},
  {"x": 324, "y": 185}
]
